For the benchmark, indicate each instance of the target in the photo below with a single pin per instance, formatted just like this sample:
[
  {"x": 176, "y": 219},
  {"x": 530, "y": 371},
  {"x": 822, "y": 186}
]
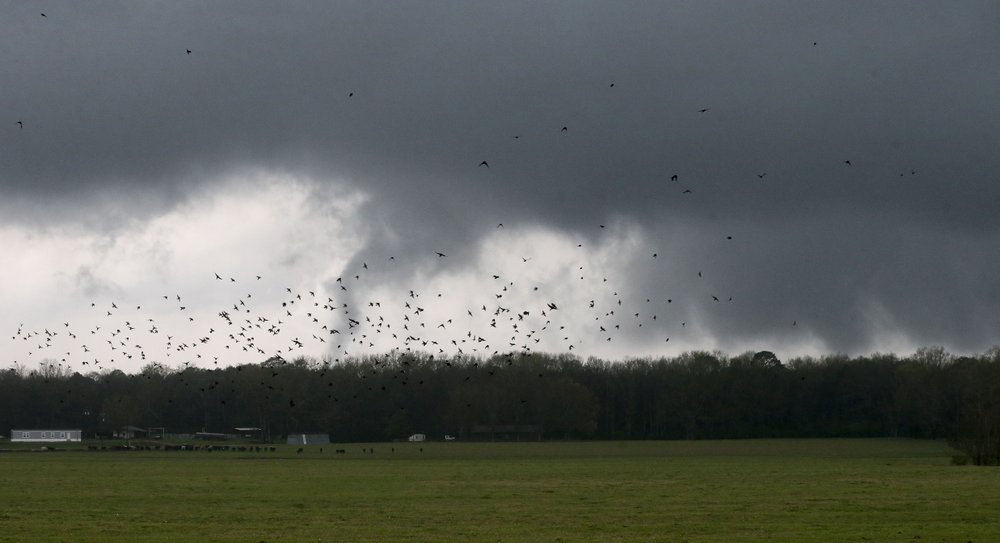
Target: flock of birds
[{"x": 515, "y": 318}]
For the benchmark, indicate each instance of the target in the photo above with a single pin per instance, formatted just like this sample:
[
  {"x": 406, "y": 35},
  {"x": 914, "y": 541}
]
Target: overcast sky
[{"x": 836, "y": 179}]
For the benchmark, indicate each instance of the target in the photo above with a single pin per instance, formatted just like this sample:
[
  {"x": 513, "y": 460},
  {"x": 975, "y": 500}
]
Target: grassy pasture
[{"x": 698, "y": 491}]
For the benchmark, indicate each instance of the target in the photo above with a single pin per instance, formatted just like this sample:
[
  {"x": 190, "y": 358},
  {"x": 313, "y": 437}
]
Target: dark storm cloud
[{"x": 115, "y": 109}]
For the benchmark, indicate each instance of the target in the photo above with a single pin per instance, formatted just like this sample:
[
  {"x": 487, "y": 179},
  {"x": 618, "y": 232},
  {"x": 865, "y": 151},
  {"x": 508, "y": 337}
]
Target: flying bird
[
  {"x": 441, "y": 255},
  {"x": 703, "y": 110},
  {"x": 564, "y": 129},
  {"x": 484, "y": 163}
]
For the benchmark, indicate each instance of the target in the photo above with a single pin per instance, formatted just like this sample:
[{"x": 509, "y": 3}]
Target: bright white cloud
[{"x": 292, "y": 232}]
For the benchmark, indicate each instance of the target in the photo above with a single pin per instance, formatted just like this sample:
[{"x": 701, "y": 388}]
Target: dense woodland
[{"x": 697, "y": 395}]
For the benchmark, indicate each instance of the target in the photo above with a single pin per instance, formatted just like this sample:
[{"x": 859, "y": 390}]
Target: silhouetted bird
[
  {"x": 484, "y": 163},
  {"x": 703, "y": 110}
]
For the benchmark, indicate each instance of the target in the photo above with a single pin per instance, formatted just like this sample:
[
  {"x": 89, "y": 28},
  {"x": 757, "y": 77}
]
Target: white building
[
  {"x": 418, "y": 437},
  {"x": 45, "y": 436}
]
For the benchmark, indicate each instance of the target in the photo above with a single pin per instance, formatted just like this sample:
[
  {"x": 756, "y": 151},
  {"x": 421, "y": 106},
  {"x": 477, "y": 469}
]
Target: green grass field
[{"x": 754, "y": 490}]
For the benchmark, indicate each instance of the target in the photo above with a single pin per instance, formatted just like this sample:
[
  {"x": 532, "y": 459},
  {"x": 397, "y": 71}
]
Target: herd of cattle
[{"x": 183, "y": 447}]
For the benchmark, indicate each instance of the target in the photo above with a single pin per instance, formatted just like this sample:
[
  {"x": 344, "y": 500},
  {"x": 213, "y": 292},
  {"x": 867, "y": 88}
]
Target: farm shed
[
  {"x": 308, "y": 439},
  {"x": 45, "y": 436}
]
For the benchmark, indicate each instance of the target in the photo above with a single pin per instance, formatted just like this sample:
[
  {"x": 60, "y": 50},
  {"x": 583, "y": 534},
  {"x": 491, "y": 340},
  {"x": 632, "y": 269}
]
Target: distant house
[
  {"x": 418, "y": 437},
  {"x": 308, "y": 439},
  {"x": 45, "y": 436}
]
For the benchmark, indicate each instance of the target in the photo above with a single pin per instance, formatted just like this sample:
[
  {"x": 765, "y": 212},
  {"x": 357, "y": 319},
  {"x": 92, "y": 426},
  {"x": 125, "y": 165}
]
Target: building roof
[{"x": 46, "y": 430}]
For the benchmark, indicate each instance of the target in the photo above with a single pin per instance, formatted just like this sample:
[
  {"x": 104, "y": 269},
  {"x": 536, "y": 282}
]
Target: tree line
[{"x": 697, "y": 395}]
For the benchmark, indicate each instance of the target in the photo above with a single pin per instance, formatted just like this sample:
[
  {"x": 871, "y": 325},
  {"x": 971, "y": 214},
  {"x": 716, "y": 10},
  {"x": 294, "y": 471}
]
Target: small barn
[
  {"x": 45, "y": 436},
  {"x": 308, "y": 439}
]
